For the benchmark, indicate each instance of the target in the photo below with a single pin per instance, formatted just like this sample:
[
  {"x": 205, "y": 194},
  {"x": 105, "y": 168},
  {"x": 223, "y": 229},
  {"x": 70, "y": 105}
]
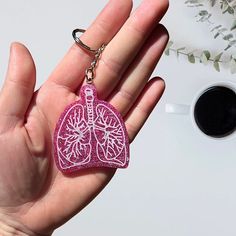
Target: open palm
[{"x": 32, "y": 190}]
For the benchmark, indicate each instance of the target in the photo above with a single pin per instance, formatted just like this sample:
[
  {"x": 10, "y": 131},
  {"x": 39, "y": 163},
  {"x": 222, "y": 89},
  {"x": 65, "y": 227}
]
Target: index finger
[{"x": 70, "y": 71}]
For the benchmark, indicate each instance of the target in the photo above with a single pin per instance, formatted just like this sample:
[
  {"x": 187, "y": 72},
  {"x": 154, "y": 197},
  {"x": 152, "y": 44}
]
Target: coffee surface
[{"x": 215, "y": 111}]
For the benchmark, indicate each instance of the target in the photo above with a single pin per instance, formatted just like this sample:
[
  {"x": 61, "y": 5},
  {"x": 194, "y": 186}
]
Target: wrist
[{"x": 11, "y": 227}]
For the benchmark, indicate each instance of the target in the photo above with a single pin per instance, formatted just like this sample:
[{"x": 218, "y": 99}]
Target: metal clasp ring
[
  {"x": 89, "y": 75},
  {"x": 78, "y": 40}
]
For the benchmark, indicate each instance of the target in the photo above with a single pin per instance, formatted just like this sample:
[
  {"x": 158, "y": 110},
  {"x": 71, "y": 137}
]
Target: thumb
[{"x": 19, "y": 84}]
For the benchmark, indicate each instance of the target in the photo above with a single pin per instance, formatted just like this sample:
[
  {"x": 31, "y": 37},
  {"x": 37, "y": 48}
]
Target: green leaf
[
  {"x": 228, "y": 36},
  {"x": 207, "y": 54},
  {"x": 216, "y": 27},
  {"x": 169, "y": 44},
  {"x": 191, "y": 58},
  {"x": 178, "y": 50},
  {"x": 181, "y": 49},
  {"x": 213, "y": 2},
  {"x": 216, "y": 35},
  {"x": 230, "y": 10},
  {"x": 217, "y": 66},
  {"x": 192, "y": 1},
  {"x": 204, "y": 18},
  {"x": 233, "y": 25},
  {"x": 167, "y": 52},
  {"x": 219, "y": 32},
  {"x": 231, "y": 43},
  {"x": 232, "y": 66},
  {"x": 222, "y": 30},
  {"x": 225, "y": 7},
  {"x": 198, "y": 5},
  {"x": 203, "y": 13},
  {"x": 167, "y": 49},
  {"x": 233, "y": 56},
  {"x": 217, "y": 58},
  {"x": 205, "y": 57}
]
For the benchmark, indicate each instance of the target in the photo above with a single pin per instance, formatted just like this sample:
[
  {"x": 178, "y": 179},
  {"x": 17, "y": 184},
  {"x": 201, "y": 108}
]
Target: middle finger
[{"x": 120, "y": 52}]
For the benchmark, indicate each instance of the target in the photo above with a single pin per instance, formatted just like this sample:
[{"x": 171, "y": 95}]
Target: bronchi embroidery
[{"x": 90, "y": 133}]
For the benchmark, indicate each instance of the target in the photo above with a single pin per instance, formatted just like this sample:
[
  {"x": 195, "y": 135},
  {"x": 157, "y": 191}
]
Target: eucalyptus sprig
[
  {"x": 219, "y": 31},
  {"x": 204, "y": 15},
  {"x": 226, "y": 6},
  {"x": 202, "y": 56}
]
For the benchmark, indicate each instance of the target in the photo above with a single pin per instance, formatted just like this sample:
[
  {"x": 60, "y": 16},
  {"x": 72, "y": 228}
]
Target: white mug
[{"x": 188, "y": 110}]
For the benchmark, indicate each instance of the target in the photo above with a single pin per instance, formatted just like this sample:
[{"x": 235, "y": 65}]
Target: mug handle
[{"x": 180, "y": 109}]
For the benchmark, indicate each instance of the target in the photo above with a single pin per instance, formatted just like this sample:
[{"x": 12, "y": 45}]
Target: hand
[{"x": 34, "y": 195}]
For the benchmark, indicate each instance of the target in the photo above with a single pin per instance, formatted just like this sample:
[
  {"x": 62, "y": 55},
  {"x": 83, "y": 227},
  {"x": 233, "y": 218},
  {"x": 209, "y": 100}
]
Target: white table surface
[{"x": 179, "y": 183}]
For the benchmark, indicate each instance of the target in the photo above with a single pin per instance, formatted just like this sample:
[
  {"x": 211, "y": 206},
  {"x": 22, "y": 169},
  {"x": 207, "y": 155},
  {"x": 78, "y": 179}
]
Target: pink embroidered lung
[{"x": 90, "y": 133}]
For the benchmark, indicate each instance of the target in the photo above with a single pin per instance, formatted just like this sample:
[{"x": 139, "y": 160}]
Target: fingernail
[{"x": 12, "y": 52}]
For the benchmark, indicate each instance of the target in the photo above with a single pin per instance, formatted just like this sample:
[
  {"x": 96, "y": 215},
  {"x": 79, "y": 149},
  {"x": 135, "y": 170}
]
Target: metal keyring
[
  {"x": 90, "y": 72},
  {"x": 78, "y": 40}
]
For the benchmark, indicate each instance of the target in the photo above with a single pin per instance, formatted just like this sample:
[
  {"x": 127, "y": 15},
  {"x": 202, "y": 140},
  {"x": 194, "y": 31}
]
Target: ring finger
[{"x": 136, "y": 77}]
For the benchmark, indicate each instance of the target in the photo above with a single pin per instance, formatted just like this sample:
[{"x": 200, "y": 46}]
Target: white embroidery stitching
[{"x": 104, "y": 125}]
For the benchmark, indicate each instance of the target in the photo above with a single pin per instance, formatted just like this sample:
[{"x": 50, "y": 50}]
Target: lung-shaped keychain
[{"x": 90, "y": 133}]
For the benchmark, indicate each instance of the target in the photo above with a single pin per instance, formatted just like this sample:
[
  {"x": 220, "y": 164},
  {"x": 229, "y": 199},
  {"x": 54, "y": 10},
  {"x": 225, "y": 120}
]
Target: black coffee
[{"x": 215, "y": 111}]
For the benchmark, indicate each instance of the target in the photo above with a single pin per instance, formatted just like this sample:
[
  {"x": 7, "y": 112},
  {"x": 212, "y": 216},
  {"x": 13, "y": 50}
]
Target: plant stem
[{"x": 198, "y": 57}]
